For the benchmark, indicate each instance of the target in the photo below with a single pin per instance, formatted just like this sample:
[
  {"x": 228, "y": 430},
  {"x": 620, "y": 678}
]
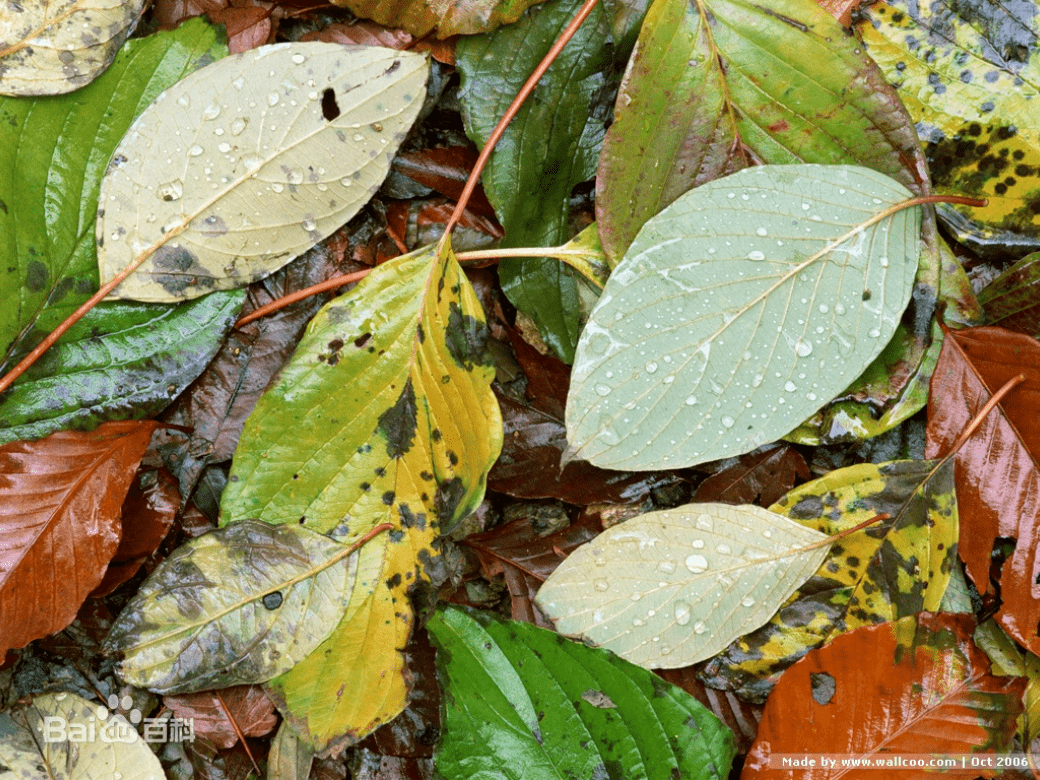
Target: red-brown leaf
[
  {"x": 445, "y": 169},
  {"x": 60, "y": 501},
  {"x": 248, "y": 705},
  {"x": 998, "y": 476},
  {"x": 915, "y": 686},
  {"x": 761, "y": 477}
]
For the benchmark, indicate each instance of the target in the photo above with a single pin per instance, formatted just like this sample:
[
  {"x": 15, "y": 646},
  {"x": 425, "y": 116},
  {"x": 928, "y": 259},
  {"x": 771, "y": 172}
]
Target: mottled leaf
[
  {"x": 49, "y": 48},
  {"x": 968, "y": 74},
  {"x": 242, "y": 166},
  {"x": 388, "y": 398},
  {"x": 1012, "y": 300},
  {"x": 739, "y": 311},
  {"x": 998, "y": 478},
  {"x": 241, "y": 604},
  {"x": 673, "y": 587},
  {"x": 884, "y": 572},
  {"x": 551, "y": 145},
  {"x": 916, "y": 686},
  {"x": 60, "y": 502},
  {"x": 522, "y": 703},
  {"x": 717, "y": 85}
]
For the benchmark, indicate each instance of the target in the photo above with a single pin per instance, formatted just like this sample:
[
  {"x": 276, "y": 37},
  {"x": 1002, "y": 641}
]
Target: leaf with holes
[
  {"x": 916, "y": 686},
  {"x": 228, "y": 175},
  {"x": 881, "y": 573},
  {"x": 670, "y": 588},
  {"x": 738, "y": 312},
  {"x": 968, "y": 75},
  {"x": 545, "y": 707},
  {"x": 50, "y": 48},
  {"x": 241, "y": 604},
  {"x": 388, "y": 397}
]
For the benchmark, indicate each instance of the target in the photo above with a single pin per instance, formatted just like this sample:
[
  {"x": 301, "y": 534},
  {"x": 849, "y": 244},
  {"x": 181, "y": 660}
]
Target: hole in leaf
[
  {"x": 273, "y": 600},
  {"x": 329, "y": 107},
  {"x": 823, "y": 687}
]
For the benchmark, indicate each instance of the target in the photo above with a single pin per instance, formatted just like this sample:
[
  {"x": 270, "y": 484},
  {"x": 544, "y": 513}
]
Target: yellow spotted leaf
[
  {"x": 50, "y": 48},
  {"x": 969, "y": 74},
  {"x": 392, "y": 420},
  {"x": 883, "y": 572}
]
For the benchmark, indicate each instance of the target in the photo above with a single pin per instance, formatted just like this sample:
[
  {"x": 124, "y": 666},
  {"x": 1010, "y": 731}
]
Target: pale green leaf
[
  {"x": 238, "y": 605},
  {"x": 739, "y": 311},
  {"x": 245, "y": 164},
  {"x": 50, "y": 48},
  {"x": 669, "y": 588}
]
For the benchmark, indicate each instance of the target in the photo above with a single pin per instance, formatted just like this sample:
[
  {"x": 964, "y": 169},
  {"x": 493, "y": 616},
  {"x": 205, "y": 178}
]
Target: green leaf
[
  {"x": 125, "y": 365},
  {"x": 551, "y": 146},
  {"x": 421, "y": 17},
  {"x": 670, "y": 588},
  {"x": 56, "y": 47},
  {"x": 718, "y": 85},
  {"x": 393, "y": 421},
  {"x": 1012, "y": 300},
  {"x": 241, "y": 604},
  {"x": 738, "y": 312},
  {"x": 522, "y": 703},
  {"x": 968, "y": 75},
  {"x": 228, "y": 176},
  {"x": 881, "y": 573}
]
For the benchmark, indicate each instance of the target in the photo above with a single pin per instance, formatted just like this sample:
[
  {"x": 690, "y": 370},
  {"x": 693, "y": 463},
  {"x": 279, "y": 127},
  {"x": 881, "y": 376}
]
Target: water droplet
[
  {"x": 747, "y": 601},
  {"x": 170, "y": 191},
  {"x": 276, "y": 187},
  {"x": 756, "y": 255},
  {"x": 839, "y": 308},
  {"x": 195, "y": 151},
  {"x": 184, "y": 100},
  {"x": 309, "y": 224},
  {"x": 298, "y": 59},
  {"x": 767, "y": 534},
  {"x": 603, "y": 390},
  {"x": 723, "y": 549},
  {"x": 803, "y": 348},
  {"x": 790, "y": 386},
  {"x": 239, "y": 82},
  {"x": 873, "y": 333},
  {"x": 697, "y": 543},
  {"x": 651, "y": 367},
  {"x": 252, "y": 161},
  {"x": 636, "y": 596},
  {"x": 682, "y": 613},
  {"x": 212, "y": 111},
  {"x": 806, "y": 207},
  {"x": 272, "y": 99},
  {"x": 699, "y": 628},
  {"x": 704, "y": 521},
  {"x": 666, "y": 566},
  {"x": 359, "y": 137},
  {"x": 224, "y": 148},
  {"x": 696, "y": 563},
  {"x": 601, "y": 585},
  {"x": 294, "y": 176},
  {"x": 637, "y": 622},
  {"x": 884, "y": 262},
  {"x": 691, "y": 401},
  {"x": 762, "y": 231},
  {"x": 727, "y": 421},
  {"x": 239, "y": 125}
]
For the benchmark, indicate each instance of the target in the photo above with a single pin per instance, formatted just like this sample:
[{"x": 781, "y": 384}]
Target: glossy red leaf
[
  {"x": 998, "y": 469},
  {"x": 916, "y": 686},
  {"x": 60, "y": 502},
  {"x": 445, "y": 169},
  {"x": 760, "y": 477},
  {"x": 212, "y": 715}
]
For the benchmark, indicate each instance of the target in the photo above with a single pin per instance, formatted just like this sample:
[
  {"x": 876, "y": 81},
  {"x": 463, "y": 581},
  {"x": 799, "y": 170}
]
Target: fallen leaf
[
  {"x": 420, "y": 17},
  {"x": 673, "y": 587},
  {"x": 916, "y": 686},
  {"x": 57, "y": 47},
  {"x": 1012, "y": 300},
  {"x": 741, "y": 717},
  {"x": 738, "y": 312},
  {"x": 445, "y": 169},
  {"x": 997, "y": 474},
  {"x": 290, "y": 757},
  {"x": 524, "y": 689},
  {"x": 761, "y": 477},
  {"x": 197, "y": 209},
  {"x": 362, "y": 32},
  {"x": 60, "y": 522},
  {"x": 215, "y": 718}
]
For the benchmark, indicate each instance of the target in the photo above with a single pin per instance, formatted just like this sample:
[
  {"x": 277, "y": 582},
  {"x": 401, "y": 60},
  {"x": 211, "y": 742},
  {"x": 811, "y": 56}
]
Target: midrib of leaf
[
  {"x": 703, "y": 13},
  {"x": 21, "y": 44},
  {"x": 212, "y": 617}
]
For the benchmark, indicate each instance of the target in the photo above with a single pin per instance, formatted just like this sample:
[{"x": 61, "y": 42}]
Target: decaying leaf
[
  {"x": 388, "y": 398},
  {"x": 673, "y": 587},
  {"x": 228, "y": 176},
  {"x": 1012, "y": 300},
  {"x": 421, "y": 17},
  {"x": 998, "y": 477},
  {"x": 241, "y": 604},
  {"x": 739, "y": 311},
  {"x": 60, "y": 501},
  {"x": 215, "y": 715},
  {"x": 916, "y": 686},
  {"x": 49, "y": 48},
  {"x": 881, "y": 573}
]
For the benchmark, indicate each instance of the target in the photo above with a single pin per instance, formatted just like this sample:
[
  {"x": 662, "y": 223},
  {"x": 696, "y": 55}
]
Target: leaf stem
[
  {"x": 299, "y": 295},
  {"x": 977, "y": 420},
  {"x": 514, "y": 107},
  {"x": 878, "y": 518}
]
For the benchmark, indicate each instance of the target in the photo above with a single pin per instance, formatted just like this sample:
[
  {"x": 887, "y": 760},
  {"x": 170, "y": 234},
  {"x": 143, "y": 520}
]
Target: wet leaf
[
  {"x": 760, "y": 477},
  {"x": 997, "y": 475},
  {"x": 916, "y": 686},
  {"x": 60, "y": 502},
  {"x": 57, "y": 47},
  {"x": 1012, "y": 300},
  {"x": 213, "y": 718},
  {"x": 241, "y": 604},
  {"x": 421, "y": 17},
  {"x": 551, "y": 146},
  {"x": 526, "y": 692},
  {"x": 881, "y": 573},
  {"x": 967, "y": 72},
  {"x": 216, "y": 210},
  {"x": 116, "y": 749},
  {"x": 388, "y": 397},
  {"x": 290, "y": 758},
  {"x": 718, "y": 85},
  {"x": 121, "y": 360},
  {"x": 738, "y": 312},
  {"x": 673, "y": 587},
  {"x": 741, "y": 717}
]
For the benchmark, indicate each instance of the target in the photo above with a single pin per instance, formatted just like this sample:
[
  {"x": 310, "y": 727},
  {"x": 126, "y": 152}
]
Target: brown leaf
[
  {"x": 998, "y": 477},
  {"x": 840, "y": 9},
  {"x": 60, "y": 500},
  {"x": 169, "y": 13},
  {"x": 248, "y": 26},
  {"x": 741, "y": 717},
  {"x": 248, "y": 705},
  {"x": 760, "y": 477},
  {"x": 445, "y": 169},
  {"x": 915, "y": 686}
]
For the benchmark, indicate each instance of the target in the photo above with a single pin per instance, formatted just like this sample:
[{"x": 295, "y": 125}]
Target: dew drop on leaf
[{"x": 696, "y": 563}]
